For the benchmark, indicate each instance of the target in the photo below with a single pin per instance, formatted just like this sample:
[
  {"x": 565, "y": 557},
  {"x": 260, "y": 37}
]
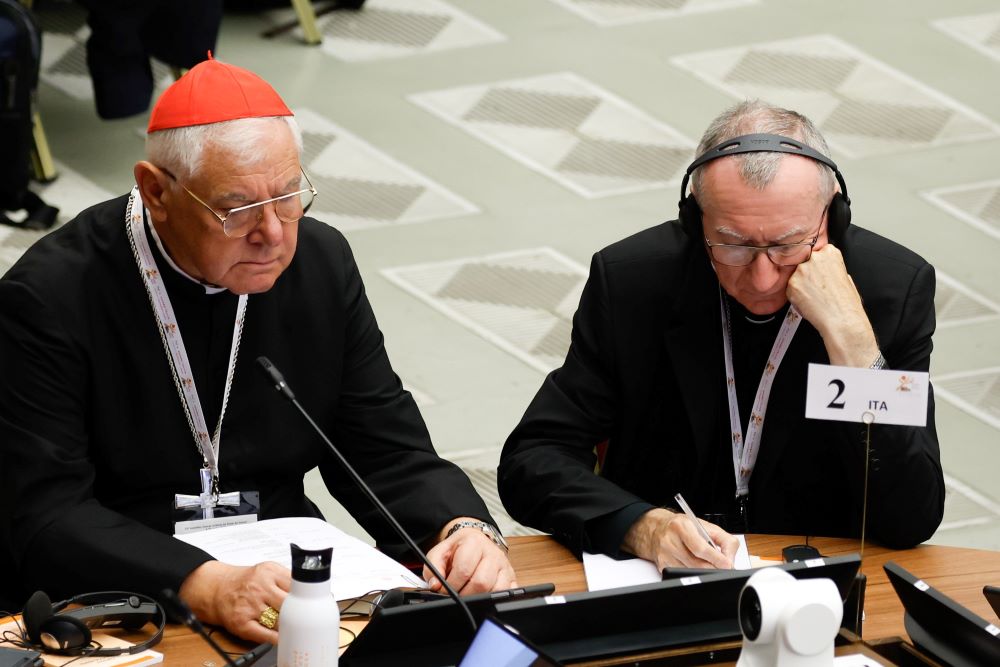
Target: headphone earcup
[
  {"x": 64, "y": 633},
  {"x": 37, "y": 610},
  {"x": 838, "y": 218},
  {"x": 689, "y": 215}
]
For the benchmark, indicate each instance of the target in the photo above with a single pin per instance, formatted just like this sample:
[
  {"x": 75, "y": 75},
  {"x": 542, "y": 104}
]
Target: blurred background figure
[{"x": 125, "y": 34}]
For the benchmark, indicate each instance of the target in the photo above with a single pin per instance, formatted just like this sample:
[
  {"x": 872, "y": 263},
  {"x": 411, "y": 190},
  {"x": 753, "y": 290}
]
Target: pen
[{"x": 697, "y": 524}]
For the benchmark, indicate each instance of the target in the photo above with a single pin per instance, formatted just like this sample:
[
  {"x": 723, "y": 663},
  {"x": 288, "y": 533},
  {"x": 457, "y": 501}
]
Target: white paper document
[
  {"x": 604, "y": 572},
  {"x": 357, "y": 568}
]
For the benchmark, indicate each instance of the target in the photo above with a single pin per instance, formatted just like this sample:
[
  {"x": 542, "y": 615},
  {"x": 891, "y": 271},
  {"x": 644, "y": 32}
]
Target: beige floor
[{"x": 477, "y": 153}]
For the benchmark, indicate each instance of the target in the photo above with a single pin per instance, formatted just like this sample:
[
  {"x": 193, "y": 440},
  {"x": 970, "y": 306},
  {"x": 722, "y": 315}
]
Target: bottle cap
[{"x": 311, "y": 566}]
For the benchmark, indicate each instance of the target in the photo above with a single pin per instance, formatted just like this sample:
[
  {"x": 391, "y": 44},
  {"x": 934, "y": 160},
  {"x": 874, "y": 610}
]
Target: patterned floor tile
[
  {"x": 521, "y": 301},
  {"x": 965, "y": 506},
  {"x": 64, "y": 64},
  {"x": 567, "y": 128},
  {"x": 615, "y": 12},
  {"x": 976, "y": 204},
  {"x": 981, "y": 32},
  {"x": 975, "y": 392},
  {"x": 485, "y": 482},
  {"x": 956, "y": 304},
  {"x": 359, "y": 186},
  {"x": 863, "y": 106},
  {"x": 397, "y": 28},
  {"x": 420, "y": 397},
  {"x": 70, "y": 193}
]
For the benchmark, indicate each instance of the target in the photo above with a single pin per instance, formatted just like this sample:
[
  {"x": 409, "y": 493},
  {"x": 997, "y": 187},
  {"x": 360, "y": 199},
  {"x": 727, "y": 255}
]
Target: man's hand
[
  {"x": 471, "y": 563},
  {"x": 825, "y": 294},
  {"x": 234, "y": 596},
  {"x": 670, "y": 539}
]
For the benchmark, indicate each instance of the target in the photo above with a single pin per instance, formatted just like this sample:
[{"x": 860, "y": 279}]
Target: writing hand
[{"x": 670, "y": 539}]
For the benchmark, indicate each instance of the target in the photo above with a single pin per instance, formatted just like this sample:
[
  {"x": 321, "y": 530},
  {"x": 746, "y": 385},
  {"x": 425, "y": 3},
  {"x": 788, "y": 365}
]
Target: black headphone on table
[
  {"x": 838, "y": 214},
  {"x": 49, "y": 629}
]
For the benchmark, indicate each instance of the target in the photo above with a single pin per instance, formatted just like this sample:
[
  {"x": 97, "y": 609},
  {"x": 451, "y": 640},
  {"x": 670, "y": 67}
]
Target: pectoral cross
[{"x": 208, "y": 499}]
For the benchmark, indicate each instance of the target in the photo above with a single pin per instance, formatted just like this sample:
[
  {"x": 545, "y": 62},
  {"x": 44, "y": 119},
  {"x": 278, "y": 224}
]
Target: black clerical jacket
[
  {"x": 645, "y": 373},
  {"x": 95, "y": 442}
]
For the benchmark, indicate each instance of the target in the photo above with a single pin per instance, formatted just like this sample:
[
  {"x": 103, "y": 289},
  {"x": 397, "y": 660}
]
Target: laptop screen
[{"x": 497, "y": 646}]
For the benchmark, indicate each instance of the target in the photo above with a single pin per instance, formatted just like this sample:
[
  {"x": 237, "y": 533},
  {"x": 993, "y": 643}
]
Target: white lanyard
[
  {"x": 173, "y": 343},
  {"x": 745, "y": 451}
]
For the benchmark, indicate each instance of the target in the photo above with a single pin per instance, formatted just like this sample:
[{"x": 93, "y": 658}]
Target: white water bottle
[{"x": 309, "y": 622}]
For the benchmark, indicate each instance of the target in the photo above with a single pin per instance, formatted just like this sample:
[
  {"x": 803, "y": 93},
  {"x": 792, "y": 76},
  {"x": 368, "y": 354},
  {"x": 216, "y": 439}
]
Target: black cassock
[
  {"x": 95, "y": 442},
  {"x": 645, "y": 373}
]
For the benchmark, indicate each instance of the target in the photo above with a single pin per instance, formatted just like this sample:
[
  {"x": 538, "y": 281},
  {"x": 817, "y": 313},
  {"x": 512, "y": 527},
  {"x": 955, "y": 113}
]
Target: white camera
[{"x": 787, "y": 622}]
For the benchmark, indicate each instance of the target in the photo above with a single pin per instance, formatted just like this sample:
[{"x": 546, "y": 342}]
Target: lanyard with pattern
[
  {"x": 173, "y": 343},
  {"x": 745, "y": 451}
]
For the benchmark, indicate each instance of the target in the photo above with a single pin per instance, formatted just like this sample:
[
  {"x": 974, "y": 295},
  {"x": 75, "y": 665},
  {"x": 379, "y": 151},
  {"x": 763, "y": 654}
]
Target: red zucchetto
[{"x": 213, "y": 92}]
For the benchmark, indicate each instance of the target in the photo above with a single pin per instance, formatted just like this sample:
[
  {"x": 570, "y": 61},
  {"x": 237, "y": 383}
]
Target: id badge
[{"x": 192, "y": 519}]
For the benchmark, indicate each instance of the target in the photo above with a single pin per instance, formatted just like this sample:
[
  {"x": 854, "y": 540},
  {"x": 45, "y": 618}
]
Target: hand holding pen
[
  {"x": 694, "y": 519},
  {"x": 668, "y": 539}
]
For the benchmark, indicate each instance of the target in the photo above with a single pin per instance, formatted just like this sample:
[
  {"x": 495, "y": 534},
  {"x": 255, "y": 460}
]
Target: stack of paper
[{"x": 357, "y": 567}]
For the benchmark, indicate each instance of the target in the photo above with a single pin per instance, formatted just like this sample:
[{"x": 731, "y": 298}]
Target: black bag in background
[{"x": 20, "y": 56}]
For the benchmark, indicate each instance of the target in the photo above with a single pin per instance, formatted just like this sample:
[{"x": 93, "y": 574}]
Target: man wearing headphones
[{"x": 688, "y": 365}]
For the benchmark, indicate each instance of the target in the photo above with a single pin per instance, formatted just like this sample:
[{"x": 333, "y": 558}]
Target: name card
[{"x": 864, "y": 395}]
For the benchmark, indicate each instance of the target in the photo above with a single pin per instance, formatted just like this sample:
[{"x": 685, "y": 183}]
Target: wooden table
[{"x": 957, "y": 572}]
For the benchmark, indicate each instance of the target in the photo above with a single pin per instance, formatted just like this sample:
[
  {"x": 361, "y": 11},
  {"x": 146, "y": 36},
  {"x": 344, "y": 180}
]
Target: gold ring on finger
[{"x": 268, "y": 618}]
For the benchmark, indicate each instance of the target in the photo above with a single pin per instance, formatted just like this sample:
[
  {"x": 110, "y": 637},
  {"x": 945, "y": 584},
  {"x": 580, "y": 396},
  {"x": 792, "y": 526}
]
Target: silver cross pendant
[{"x": 208, "y": 499}]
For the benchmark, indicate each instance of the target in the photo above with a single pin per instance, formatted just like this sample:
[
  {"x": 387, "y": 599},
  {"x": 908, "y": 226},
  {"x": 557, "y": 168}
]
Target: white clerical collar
[{"x": 209, "y": 289}]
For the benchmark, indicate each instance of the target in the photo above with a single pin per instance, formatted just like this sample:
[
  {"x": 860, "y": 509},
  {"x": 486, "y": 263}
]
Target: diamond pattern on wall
[
  {"x": 521, "y": 301},
  {"x": 981, "y": 32},
  {"x": 615, "y": 12},
  {"x": 359, "y": 186},
  {"x": 863, "y": 106},
  {"x": 568, "y": 129},
  {"x": 976, "y": 204},
  {"x": 386, "y": 29},
  {"x": 975, "y": 392}
]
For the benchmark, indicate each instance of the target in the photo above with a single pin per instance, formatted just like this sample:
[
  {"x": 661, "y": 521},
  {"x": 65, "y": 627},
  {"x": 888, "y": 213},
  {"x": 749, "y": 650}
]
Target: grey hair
[
  {"x": 759, "y": 169},
  {"x": 181, "y": 150}
]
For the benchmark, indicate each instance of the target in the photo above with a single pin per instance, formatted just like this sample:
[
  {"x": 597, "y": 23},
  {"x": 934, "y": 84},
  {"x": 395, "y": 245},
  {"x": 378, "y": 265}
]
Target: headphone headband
[
  {"x": 838, "y": 210},
  {"x": 140, "y": 610},
  {"x": 763, "y": 143}
]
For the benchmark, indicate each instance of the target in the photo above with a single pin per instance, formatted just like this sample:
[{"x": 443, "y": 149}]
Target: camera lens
[{"x": 750, "y": 613}]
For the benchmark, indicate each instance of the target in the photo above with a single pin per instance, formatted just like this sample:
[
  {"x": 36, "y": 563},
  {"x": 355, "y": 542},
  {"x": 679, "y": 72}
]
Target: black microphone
[
  {"x": 275, "y": 377},
  {"x": 179, "y": 611}
]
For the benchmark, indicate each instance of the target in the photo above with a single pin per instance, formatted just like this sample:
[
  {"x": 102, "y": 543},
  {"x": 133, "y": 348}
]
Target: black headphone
[
  {"x": 838, "y": 213},
  {"x": 69, "y": 632}
]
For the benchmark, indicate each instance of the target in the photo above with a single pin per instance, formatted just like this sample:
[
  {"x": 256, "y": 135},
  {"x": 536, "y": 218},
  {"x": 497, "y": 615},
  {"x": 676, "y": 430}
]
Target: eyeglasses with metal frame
[
  {"x": 240, "y": 221},
  {"x": 782, "y": 254}
]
